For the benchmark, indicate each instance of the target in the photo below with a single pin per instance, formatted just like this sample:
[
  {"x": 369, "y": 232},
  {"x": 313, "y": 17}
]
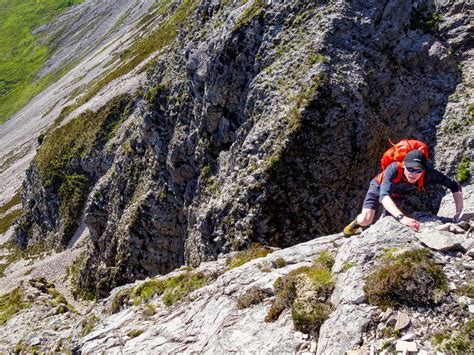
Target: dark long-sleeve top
[{"x": 403, "y": 187}]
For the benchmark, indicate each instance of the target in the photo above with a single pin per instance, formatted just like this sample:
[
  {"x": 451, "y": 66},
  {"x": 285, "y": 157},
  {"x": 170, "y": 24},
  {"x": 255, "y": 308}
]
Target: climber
[{"x": 399, "y": 179}]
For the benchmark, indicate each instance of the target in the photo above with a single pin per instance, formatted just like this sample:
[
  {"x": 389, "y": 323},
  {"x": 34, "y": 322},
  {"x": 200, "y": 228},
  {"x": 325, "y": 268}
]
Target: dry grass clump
[
  {"x": 254, "y": 295},
  {"x": 411, "y": 278}
]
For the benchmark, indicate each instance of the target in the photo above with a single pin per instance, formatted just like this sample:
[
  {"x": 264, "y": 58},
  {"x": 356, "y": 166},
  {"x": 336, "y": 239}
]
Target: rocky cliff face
[{"x": 260, "y": 122}]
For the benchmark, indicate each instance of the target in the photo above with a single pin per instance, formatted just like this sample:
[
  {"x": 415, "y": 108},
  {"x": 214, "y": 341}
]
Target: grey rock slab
[
  {"x": 385, "y": 234},
  {"x": 344, "y": 328},
  {"x": 451, "y": 227},
  {"x": 212, "y": 323},
  {"x": 403, "y": 321},
  {"x": 349, "y": 287},
  {"x": 441, "y": 241},
  {"x": 406, "y": 347}
]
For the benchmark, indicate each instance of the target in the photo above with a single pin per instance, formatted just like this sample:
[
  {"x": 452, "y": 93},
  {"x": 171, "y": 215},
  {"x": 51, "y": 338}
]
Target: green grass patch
[
  {"x": 172, "y": 289},
  {"x": 15, "y": 200},
  {"x": 22, "y": 54},
  {"x": 306, "y": 291},
  {"x": 11, "y": 304},
  {"x": 257, "y": 8},
  {"x": 7, "y": 220},
  {"x": 464, "y": 170},
  {"x": 58, "y": 300},
  {"x": 255, "y": 251},
  {"x": 410, "y": 278}
]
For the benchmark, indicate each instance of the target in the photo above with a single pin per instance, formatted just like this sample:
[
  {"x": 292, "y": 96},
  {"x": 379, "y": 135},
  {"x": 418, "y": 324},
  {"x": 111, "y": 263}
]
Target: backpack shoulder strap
[
  {"x": 399, "y": 172},
  {"x": 380, "y": 176}
]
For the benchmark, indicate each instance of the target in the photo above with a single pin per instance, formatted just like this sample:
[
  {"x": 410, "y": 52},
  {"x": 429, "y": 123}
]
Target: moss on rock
[
  {"x": 255, "y": 251},
  {"x": 11, "y": 304},
  {"x": 306, "y": 291},
  {"x": 172, "y": 289}
]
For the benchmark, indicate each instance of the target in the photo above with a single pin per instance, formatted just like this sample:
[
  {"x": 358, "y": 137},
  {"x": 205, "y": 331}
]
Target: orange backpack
[{"x": 397, "y": 153}]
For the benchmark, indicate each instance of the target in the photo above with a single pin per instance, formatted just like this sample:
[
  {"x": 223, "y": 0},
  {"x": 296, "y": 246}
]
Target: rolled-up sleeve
[{"x": 436, "y": 177}]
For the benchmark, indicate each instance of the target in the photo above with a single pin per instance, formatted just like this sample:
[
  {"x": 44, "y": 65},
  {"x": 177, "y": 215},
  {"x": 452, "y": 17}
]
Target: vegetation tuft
[
  {"x": 409, "y": 279},
  {"x": 88, "y": 324},
  {"x": 172, "y": 289},
  {"x": 306, "y": 291},
  {"x": 254, "y": 295},
  {"x": 73, "y": 271},
  {"x": 148, "y": 310},
  {"x": 424, "y": 20},
  {"x": 49, "y": 288},
  {"x": 11, "y": 304},
  {"x": 464, "y": 170},
  {"x": 135, "y": 333},
  {"x": 458, "y": 341},
  {"x": 255, "y": 251},
  {"x": 279, "y": 263}
]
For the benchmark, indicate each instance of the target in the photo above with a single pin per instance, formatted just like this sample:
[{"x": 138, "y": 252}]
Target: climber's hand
[
  {"x": 410, "y": 222},
  {"x": 457, "y": 217}
]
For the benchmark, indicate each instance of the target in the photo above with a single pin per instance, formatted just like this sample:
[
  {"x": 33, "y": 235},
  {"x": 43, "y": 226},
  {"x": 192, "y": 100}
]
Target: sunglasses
[{"x": 413, "y": 170}]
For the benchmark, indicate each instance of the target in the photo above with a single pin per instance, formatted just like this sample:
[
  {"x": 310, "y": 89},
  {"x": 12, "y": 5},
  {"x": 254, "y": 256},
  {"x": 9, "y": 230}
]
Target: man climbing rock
[{"x": 399, "y": 179}]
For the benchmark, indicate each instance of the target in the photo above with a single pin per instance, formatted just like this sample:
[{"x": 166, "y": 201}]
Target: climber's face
[{"x": 412, "y": 174}]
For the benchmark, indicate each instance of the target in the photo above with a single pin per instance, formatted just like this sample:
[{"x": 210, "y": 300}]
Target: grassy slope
[{"x": 21, "y": 56}]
